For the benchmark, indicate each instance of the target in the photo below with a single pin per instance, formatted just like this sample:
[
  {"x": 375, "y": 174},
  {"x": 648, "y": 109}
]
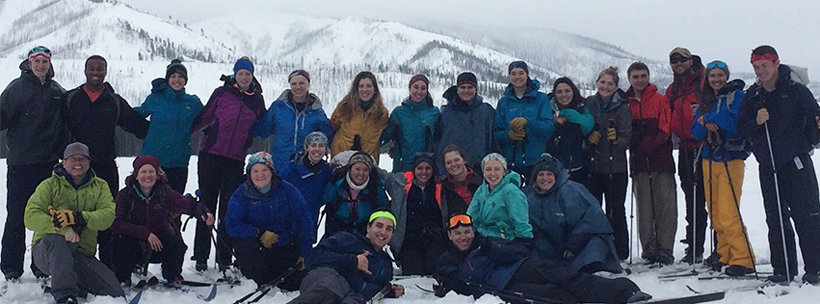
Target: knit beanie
[
  {"x": 243, "y": 63},
  {"x": 259, "y": 158},
  {"x": 146, "y": 160},
  {"x": 176, "y": 66},
  {"x": 467, "y": 77},
  {"x": 424, "y": 158},
  {"x": 544, "y": 163},
  {"x": 314, "y": 137},
  {"x": 519, "y": 64},
  {"x": 416, "y": 78},
  {"x": 360, "y": 157}
]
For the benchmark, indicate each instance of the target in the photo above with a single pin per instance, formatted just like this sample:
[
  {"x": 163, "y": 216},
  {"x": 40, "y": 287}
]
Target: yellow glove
[
  {"x": 516, "y": 136},
  {"x": 61, "y": 218},
  {"x": 301, "y": 263},
  {"x": 611, "y": 135},
  {"x": 268, "y": 238},
  {"x": 517, "y": 124},
  {"x": 594, "y": 137}
]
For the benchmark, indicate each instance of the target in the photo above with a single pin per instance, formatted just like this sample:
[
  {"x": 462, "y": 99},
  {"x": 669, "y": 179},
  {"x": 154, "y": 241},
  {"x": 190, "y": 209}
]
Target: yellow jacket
[{"x": 368, "y": 125}]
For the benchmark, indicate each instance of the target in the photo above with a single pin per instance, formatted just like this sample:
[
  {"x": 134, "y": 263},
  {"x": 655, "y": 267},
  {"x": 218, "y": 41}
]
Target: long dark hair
[{"x": 577, "y": 100}]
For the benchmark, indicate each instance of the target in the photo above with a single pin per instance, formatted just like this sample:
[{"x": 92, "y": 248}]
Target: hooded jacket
[
  {"x": 311, "y": 184},
  {"x": 567, "y": 143},
  {"x": 723, "y": 113},
  {"x": 414, "y": 125},
  {"x": 683, "y": 96},
  {"x": 501, "y": 212},
  {"x": 339, "y": 252},
  {"x": 172, "y": 115},
  {"x": 30, "y": 109},
  {"x": 228, "y": 118},
  {"x": 535, "y": 107},
  {"x": 290, "y": 127},
  {"x": 606, "y": 157},
  {"x": 651, "y": 146},
  {"x": 469, "y": 126}
]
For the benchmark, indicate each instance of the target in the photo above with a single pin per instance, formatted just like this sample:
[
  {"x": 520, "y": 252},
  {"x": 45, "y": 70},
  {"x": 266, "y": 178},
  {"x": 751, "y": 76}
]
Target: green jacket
[
  {"x": 502, "y": 212},
  {"x": 93, "y": 198}
]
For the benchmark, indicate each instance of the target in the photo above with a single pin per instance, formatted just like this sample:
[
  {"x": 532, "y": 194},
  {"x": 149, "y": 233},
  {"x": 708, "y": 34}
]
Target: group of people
[{"x": 526, "y": 180}]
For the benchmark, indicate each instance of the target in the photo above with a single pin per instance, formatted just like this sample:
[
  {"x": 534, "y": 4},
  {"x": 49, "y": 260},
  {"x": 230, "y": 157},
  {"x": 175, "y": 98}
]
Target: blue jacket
[
  {"x": 416, "y": 126},
  {"x": 535, "y": 107},
  {"x": 792, "y": 109},
  {"x": 341, "y": 208},
  {"x": 568, "y": 217},
  {"x": 489, "y": 261},
  {"x": 172, "y": 115},
  {"x": 282, "y": 210},
  {"x": 725, "y": 116},
  {"x": 469, "y": 126},
  {"x": 310, "y": 184},
  {"x": 290, "y": 128},
  {"x": 339, "y": 252}
]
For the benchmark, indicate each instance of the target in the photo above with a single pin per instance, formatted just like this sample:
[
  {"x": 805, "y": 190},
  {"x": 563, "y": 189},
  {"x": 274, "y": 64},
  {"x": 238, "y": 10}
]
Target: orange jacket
[
  {"x": 683, "y": 98},
  {"x": 651, "y": 147}
]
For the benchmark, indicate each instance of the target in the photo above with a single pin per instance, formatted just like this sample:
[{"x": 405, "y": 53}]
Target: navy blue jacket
[
  {"x": 792, "y": 109},
  {"x": 339, "y": 252},
  {"x": 490, "y": 261},
  {"x": 310, "y": 184}
]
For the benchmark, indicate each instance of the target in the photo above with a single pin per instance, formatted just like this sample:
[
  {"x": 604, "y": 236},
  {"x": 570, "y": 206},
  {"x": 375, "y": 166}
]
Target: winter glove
[
  {"x": 268, "y": 238},
  {"x": 300, "y": 263},
  {"x": 611, "y": 135},
  {"x": 518, "y": 123},
  {"x": 594, "y": 137},
  {"x": 65, "y": 218},
  {"x": 516, "y": 136}
]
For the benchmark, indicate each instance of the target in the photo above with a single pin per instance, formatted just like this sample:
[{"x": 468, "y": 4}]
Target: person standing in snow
[
  {"x": 523, "y": 120},
  {"x": 781, "y": 118},
  {"x": 310, "y": 173},
  {"x": 92, "y": 113},
  {"x": 359, "y": 118},
  {"x": 499, "y": 208},
  {"x": 466, "y": 121},
  {"x": 412, "y": 125},
  {"x": 227, "y": 121},
  {"x": 29, "y": 108},
  {"x": 172, "y": 113},
  {"x": 291, "y": 117},
  {"x": 606, "y": 153},
  {"x": 573, "y": 121},
  {"x": 65, "y": 213}
]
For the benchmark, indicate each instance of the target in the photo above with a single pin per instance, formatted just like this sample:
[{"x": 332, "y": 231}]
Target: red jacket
[
  {"x": 683, "y": 98},
  {"x": 651, "y": 146}
]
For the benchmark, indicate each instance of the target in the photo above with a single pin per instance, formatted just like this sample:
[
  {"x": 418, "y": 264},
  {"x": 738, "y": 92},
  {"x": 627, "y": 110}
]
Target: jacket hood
[
  {"x": 451, "y": 95},
  {"x": 732, "y": 86},
  {"x": 560, "y": 179},
  {"x": 60, "y": 171},
  {"x": 230, "y": 81},
  {"x": 512, "y": 178},
  {"x": 26, "y": 70},
  {"x": 313, "y": 100},
  {"x": 533, "y": 86},
  {"x": 696, "y": 75},
  {"x": 160, "y": 85},
  {"x": 253, "y": 193}
]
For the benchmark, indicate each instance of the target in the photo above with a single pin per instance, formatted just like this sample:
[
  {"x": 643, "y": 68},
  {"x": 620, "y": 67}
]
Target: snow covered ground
[{"x": 29, "y": 292}]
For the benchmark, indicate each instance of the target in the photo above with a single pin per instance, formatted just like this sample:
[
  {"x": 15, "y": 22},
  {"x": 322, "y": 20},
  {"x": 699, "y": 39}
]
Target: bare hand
[
  {"x": 762, "y": 116},
  {"x": 559, "y": 119},
  {"x": 700, "y": 121},
  {"x": 71, "y": 235},
  {"x": 398, "y": 290},
  {"x": 155, "y": 243},
  {"x": 695, "y": 109},
  {"x": 712, "y": 126},
  {"x": 362, "y": 262},
  {"x": 817, "y": 118},
  {"x": 209, "y": 219},
  {"x": 568, "y": 255}
]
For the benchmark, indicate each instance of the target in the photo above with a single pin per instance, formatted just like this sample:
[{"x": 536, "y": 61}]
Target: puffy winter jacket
[
  {"x": 172, "y": 115},
  {"x": 290, "y": 127},
  {"x": 723, "y": 113},
  {"x": 683, "y": 96},
  {"x": 606, "y": 157},
  {"x": 228, "y": 118},
  {"x": 366, "y": 124},
  {"x": 29, "y": 109},
  {"x": 568, "y": 217},
  {"x": 501, "y": 212},
  {"x": 567, "y": 143},
  {"x": 792, "y": 111},
  {"x": 489, "y": 261},
  {"x": 347, "y": 214},
  {"x": 535, "y": 107},
  {"x": 92, "y": 198},
  {"x": 651, "y": 147},
  {"x": 339, "y": 252},
  {"x": 468, "y": 126},
  {"x": 282, "y": 211},
  {"x": 311, "y": 184},
  {"x": 415, "y": 125},
  {"x": 94, "y": 123}
]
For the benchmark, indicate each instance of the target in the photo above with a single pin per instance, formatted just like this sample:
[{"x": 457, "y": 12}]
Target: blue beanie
[
  {"x": 519, "y": 64},
  {"x": 243, "y": 63}
]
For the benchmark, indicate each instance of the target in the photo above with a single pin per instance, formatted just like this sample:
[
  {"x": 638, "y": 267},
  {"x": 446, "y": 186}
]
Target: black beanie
[
  {"x": 424, "y": 158},
  {"x": 176, "y": 67},
  {"x": 544, "y": 163},
  {"x": 467, "y": 77}
]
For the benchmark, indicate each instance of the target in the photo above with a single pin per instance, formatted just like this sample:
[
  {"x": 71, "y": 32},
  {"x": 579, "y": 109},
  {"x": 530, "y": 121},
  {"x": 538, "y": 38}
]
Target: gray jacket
[
  {"x": 469, "y": 126},
  {"x": 606, "y": 157}
]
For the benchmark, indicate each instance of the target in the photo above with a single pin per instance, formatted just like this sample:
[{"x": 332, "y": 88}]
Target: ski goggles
[
  {"x": 716, "y": 64},
  {"x": 39, "y": 51},
  {"x": 460, "y": 219}
]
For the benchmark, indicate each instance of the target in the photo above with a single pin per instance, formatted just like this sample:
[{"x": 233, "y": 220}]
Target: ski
[
  {"x": 425, "y": 289},
  {"x": 698, "y": 298},
  {"x": 381, "y": 294}
]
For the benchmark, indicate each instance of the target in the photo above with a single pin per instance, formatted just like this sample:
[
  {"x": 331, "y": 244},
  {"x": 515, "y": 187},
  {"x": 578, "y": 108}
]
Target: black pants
[
  {"x": 131, "y": 252},
  {"x": 419, "y": 257},
  {"x": 695, "y": 202},
  {"x": 108, "y": 171},
  {"x": 580, "y": 175},
  {"x": 799, "y": 202},
  {"x": 218, "y": 178},
  {"x": 613, "y": 188},
  {"x": 263, "y": 265},
  {"x": 177, "y": 179},
  {"x": 542, "y": 278},
  {"x": 20, "y": 184}
]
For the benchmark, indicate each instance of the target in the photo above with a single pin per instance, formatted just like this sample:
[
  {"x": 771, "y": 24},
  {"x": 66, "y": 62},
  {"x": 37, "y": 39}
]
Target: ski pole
[
  {"x": 631, "y": 221},
  {"x": 265, "y": 288},
  {"x": 695, "y": 206},
  {"x": 779, "y": 205},
  {"x": 511, "y": 295}
]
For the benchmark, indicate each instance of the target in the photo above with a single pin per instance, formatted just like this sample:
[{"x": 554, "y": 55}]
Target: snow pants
[
  {"x": 263, "y": 265},
  {"x": 72, "y": 273},
  {"x": 130, "y": 252},
  {"x": 20, "y": 184},
  {"x": 656, "y": 201},
  {"x": 691, "y": 177},
  {"x": 724, "y": 207},
  {"x": 324, "y": 285},
  {"x": 218, "y": 178},
  {"x": 799, "y": 202},
  {"x": 420, "y": 257},
  {"x": 612, "y": 187}
]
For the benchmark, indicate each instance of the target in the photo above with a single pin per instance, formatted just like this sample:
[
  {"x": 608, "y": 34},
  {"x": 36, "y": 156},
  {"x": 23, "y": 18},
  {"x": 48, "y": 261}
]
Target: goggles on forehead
[
  {"x": 461, "y": 219},
  {"x": 716, "y": 63},
  {"x": 39, "y": 51}
]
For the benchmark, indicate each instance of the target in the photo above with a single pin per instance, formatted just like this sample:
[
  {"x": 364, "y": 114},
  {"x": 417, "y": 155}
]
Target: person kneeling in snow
[
  {"x": 143, "y": 228},
  {"x": 351, "y": 269},
  {"x": 475, "y": 265},
  {"x": 66, "y": 212}
]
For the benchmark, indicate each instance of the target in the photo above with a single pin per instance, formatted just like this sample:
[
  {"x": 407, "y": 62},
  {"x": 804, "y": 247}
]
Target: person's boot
[
  {"x": 811, "y": 278},
  {"x": 738, "y": 270},
  {"x": 688, "y": 258},
  {"x": 639, "y": 296}
]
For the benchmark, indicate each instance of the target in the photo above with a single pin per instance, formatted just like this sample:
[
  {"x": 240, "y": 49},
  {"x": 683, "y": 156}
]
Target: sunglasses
[
  {"x": 678, "y": 59},
  {"x": 460, "y": 220},
  {"x": 716, "y": 63}
]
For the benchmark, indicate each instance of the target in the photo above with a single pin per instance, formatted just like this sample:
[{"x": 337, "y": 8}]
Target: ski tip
[
  {"x": 210, "y": 296},
  {"x": 136, "y": 298}
]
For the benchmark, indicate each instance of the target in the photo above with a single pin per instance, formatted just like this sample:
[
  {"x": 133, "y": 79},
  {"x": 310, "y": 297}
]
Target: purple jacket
[
  {"x": 228, "y": 118},
  {"x": 138, "y": 216}
]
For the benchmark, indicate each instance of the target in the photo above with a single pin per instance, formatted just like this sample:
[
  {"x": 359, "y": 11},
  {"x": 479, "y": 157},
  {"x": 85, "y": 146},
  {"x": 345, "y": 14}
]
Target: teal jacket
[
  {"x": 502, "y": 212},
  {"x": 172, "y": 115},
  {"x": 535, "y": 107},
  {"x": 415, "y": 124}
]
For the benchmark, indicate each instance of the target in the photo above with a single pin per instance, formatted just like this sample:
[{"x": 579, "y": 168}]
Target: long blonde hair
[{"x": 351, "y": 101}]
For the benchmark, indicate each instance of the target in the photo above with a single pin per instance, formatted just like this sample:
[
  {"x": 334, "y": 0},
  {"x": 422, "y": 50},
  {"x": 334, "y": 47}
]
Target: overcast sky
[{"x": 715, "y": 29}]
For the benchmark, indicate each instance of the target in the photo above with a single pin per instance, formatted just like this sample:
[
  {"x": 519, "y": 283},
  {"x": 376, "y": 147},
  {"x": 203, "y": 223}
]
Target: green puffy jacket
[
  {"x": 93, "y": 198},
  {"x": 502, "y": 212}
]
